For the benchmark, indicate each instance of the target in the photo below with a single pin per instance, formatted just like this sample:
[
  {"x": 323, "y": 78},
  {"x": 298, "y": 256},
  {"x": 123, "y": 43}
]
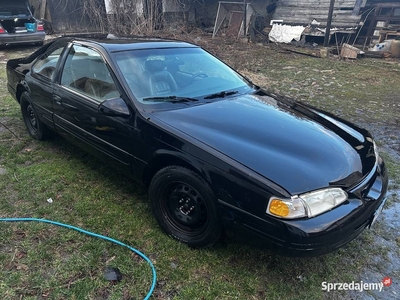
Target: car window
[
  {"x": 14, "y": 11},
  {"x": 46, "y": 65},
  {"x": 86, "y": 72}
]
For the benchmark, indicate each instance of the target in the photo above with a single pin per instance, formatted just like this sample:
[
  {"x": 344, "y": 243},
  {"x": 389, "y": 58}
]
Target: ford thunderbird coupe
[{"x": 216, "y": 152}]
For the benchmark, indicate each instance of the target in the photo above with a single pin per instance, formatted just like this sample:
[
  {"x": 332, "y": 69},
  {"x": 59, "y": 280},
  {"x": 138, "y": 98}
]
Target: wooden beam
[
  {"x": 314, "y": 3},
  {"x": 43, "y": 5},
  {"x": 338, "y": 24},
  {"x": 319, "y": 17},
  {"x": 244, "y": 18},
  {"x": 315, "y": 10},
  {"x": 328, "y": 24}
]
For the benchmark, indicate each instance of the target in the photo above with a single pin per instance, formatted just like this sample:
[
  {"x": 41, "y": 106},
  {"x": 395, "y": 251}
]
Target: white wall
[{"x": 110, "y": 7}]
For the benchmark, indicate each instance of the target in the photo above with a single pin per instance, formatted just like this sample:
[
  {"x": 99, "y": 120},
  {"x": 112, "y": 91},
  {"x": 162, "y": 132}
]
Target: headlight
[{"x": 306, "y": 205}]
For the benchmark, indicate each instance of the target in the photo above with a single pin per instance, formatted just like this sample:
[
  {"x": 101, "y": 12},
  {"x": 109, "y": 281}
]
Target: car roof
[{"x": 114, "y": 44}]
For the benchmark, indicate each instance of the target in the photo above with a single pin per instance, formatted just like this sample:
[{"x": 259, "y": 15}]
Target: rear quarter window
[{"x": 46, "y": 65}]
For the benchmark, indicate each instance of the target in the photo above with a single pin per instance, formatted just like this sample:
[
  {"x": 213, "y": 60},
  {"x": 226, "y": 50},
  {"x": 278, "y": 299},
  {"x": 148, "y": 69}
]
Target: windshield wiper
[
  {"x": 255, "y": 86},
  {"x": 222, "y": 94},
  {"x": 173, "y": 99}
]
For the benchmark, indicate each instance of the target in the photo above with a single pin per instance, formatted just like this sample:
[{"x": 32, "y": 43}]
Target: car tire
[
  {"x": 185, "y": 206},
  {"x": 35, "y": 127}
]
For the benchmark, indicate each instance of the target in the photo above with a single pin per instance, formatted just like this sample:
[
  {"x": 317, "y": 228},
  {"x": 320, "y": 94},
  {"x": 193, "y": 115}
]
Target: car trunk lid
[{"x": 15, "y": 17}]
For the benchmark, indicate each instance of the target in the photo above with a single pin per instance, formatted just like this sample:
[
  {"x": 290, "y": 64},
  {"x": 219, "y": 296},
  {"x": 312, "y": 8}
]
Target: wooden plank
[
  {"x": 304, "y": 11},
  {"x": 314, "y": 14},
  {"x": 374, "y": 2},
  {"x": 338, "y": 24},
  {"x": 349, "y": 7},
  {"x": 313, "y": 6},
  {"x": 299, "y": 3},
  {"x": 316, "y": 2},
  {"x": 292, "y": 12},
  {"x": 319, "y": 18},
  {"x": 306, "y": 19},
  {"x": 43, "y": 5}
]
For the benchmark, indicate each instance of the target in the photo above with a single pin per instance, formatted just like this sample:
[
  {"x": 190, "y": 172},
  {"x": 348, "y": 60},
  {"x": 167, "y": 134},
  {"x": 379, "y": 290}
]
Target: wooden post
[
  {"x": 245, "y": 18},
  {"x": 328, "y": 24},
  {"x": 43, "y": 5}
]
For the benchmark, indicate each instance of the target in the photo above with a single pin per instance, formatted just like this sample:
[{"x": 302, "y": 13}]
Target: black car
[
  {"x": 17, "y": 24},
  {"x": 215, "y": 150}
]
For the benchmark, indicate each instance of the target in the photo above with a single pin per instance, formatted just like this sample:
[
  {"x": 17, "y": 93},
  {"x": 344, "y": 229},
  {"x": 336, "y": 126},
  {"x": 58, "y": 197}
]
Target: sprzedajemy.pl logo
[{"x": 356, "y": 286}]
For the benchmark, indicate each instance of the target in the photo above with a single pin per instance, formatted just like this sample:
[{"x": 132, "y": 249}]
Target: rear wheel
[
  {"x": 35, "y": 127},
  {"x": 185, "y": 206}
]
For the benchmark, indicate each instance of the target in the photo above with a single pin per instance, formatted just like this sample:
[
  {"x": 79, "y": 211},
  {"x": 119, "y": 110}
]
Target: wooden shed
[
  {"x": 381, "y": 21},
  {"x": 346, "y": 14}
]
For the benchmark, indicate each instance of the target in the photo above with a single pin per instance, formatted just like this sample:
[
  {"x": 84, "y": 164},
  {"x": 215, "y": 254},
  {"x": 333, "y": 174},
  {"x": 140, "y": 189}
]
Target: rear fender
[{"x": 21, "y": 87}]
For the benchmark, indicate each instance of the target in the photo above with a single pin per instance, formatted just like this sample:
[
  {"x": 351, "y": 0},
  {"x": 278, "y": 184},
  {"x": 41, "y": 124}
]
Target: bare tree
[{"x": 133, "y": 17}]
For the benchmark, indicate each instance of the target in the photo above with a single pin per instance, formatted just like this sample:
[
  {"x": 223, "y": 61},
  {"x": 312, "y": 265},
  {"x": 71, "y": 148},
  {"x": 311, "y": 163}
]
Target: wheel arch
[
  {"x": 20, "y": 89},
  {"x": 164, "y": 159}
]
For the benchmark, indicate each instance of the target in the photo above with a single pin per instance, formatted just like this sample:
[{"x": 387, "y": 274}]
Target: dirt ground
[{"x": 339, "y": 87}]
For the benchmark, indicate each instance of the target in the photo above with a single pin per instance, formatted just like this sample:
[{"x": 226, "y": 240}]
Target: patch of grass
[{"x": 393, "y": 167}]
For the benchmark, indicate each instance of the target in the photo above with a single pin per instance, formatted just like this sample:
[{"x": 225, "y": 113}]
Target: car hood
[{"x": 298, "y": 148}]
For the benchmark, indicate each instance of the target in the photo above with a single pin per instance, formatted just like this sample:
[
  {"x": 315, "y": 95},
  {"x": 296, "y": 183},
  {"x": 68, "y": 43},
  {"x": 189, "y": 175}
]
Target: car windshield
[
  {"x": 14, "y": 11},
  {"x": 175, "y": 74}
]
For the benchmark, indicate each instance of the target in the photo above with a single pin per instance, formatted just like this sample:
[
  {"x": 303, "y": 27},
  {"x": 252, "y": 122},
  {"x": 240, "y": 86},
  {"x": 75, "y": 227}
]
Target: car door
[
  {"x": 41, "y": 81},
  {"x": 86, "y": 82}
]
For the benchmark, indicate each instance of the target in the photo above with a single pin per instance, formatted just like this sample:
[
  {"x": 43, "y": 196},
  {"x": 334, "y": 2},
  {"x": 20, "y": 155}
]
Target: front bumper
[
  {"x": 22, "y": 38},
  {"x": 323, "y": 233}
]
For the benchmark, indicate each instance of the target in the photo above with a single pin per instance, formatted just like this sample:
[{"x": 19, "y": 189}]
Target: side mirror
[{"x": 115, "y": 107}]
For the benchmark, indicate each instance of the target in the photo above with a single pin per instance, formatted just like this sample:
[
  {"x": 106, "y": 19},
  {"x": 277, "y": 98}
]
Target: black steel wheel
[
  {"x": 35, "y": 127},
  {"x": 185, "y": 206}
]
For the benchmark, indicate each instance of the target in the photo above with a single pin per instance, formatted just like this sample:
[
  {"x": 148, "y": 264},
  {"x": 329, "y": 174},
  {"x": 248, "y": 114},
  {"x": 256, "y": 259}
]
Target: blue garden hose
[{"x": 94, "y": 235}]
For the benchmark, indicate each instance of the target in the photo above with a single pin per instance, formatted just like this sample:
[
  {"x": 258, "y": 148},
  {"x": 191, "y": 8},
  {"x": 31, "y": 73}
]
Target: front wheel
[
  {"x": 185, "y": 206},
  {"x": 35, "y": 127}
]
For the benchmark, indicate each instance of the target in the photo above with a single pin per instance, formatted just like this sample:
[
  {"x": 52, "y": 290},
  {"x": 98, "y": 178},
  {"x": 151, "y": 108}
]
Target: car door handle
[{"x": 57, "y": 99}]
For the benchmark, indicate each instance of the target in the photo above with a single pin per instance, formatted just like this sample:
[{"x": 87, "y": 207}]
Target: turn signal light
[{"x": 279, "y": 208}]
